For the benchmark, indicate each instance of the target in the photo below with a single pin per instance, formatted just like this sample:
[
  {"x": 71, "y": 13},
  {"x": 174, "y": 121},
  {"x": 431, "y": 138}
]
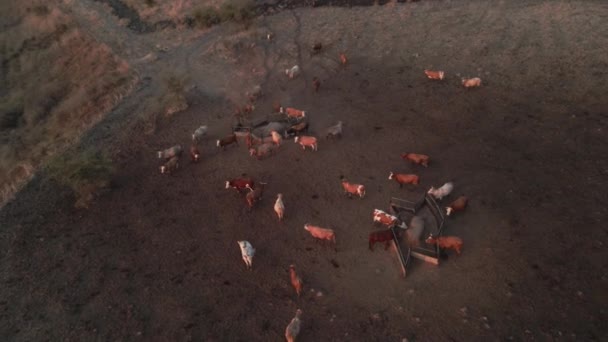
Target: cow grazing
[
  {"x": 296, "y": 281},
  {"x": 174, "y": 151},
  {"x": 385, "y": 235},
  {"x": 254, "y": 195},
  {"x": 353, "y": 189},
  {"x": 420, "y": 159},
  {"x": 404, "y": 178},
  {"x": 316, "y": 84},
  {"x": 292, "y": 112},
  {"x": 306, "y": 141},
  {"x": 343, "y": 59},
  {"x": 293, "y": 328},
  {"x": 334, "y": 131},
  {"x": 247, "y": 252},
  {"x": 387, "y": 219},
  {"x": 298, "y": 128},
  {"x": 279, "y": 207},
  {"x": 293, "y": 72},
  {"x": 276, "y": 107},
  {"x": 321, "y": 233},
  {"x": 471, "y": 82},
  {"x": 262, "y": 151},
  {"x": 170, "y": 166},
  {"x": 443, "y": 191},
  {"x": 229, "y": 140},
  {"x": 434, "y": 75},
  {"x": 446, "y": 242},
  {"x": 240, "y": 184},
  {"x": 459, "y": 204},
  {"x": 199, "y": 133},
  {"x": 195, "y": 154}
]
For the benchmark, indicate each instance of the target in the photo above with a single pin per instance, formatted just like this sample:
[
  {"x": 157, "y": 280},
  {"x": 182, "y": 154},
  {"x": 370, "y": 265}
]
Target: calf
[
  {"x": 174, "y": 151},
  {"x": 229, "y": 140},
  {"x": 343, "y": 59},
  {"x": 292, "y": 112},
  {"x": 353, "y": 189},
  {"x": 387, "y": 219},
  {"x": 262, "y": 151},
  {"x": 306, "y": 141},
  {"x": 247, "y": 252},
  {"x": 293, "y": 72},
  {"x": 296, "y": 281},
  {"x": 385, "y": 235},
  {"x": 458, "y": 205},
  {"x": 254, "y": 196},
  {"x": 321, "y": 233},
  {"x": 441, "y": 192},
  {"x": 170, "y": 166},
  {"x": 334, "y": 131},
  {"x": 420, "y": 159},
  {"x": 240, "y": 184},
  {"x": 279, "y": 207},
  {"x": 404, "y": 178},
  {"x": 446, "y": 242},
  {"x": 471, "y": 82},
  {"x": 276, "y": 138},
  {"x": 195, "y": 154},
  {"x": 434, "y": 75}
]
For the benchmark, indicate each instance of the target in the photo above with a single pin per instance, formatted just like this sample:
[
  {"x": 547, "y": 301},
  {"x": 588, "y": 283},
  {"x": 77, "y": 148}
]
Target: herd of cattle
[{"x": 266, "y": 144}]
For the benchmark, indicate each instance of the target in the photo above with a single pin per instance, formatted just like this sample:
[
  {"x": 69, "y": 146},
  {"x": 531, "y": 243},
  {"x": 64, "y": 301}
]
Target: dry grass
[
  {"x": 85, "y": 173},
  {"x": 59, "y": 82}
]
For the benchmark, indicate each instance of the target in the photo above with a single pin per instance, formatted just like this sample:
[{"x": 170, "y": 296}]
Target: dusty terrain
[{"x": 156, "y": 259}]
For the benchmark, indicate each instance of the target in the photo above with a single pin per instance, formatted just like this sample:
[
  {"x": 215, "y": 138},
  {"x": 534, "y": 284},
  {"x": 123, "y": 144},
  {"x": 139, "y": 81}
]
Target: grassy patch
[
  {"x": 85, "y": 173},
  {"x": 238, "y": 11}
]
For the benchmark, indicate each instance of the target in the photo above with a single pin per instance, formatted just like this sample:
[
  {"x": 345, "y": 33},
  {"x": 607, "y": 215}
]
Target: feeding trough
[{"x": 424, "y": 206}]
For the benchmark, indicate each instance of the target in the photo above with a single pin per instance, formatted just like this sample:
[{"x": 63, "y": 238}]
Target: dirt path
[{"x": 156, "y": 258}]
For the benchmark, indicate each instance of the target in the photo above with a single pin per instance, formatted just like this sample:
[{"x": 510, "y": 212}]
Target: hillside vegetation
[{"x": 56, "y": 82}]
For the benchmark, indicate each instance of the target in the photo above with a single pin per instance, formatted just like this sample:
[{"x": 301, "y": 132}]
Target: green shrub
[{"x": 85, "y": 173}]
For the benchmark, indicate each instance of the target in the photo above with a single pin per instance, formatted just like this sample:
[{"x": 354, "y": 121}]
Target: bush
[
  {"x": 85, "y": 173},
  {"x": 237, "y": 10},
  {"x": 206, "y": 17}
]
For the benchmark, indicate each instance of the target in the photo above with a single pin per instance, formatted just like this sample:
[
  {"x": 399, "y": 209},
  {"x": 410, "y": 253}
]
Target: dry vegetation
[
  {"x": 204, "y": 13},
  {"x": 58, "y": 82}
]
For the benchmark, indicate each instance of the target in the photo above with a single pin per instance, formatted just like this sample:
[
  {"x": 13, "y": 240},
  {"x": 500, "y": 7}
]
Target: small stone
[
  {"x": 464, "y": 310},
  {"x": 376, "y": 316},
  {"x": 579, "y": 293},
  {"x": 377, "y": 270},
  {"x": 484, "y": 318},
  {"x": 417, "y": 319},
  {"x": 405, "y": 340},
  {"x": 465, "y": 321},
  {"x": 527, "y": 331},
  {"x": 486, "y": 325},
  {"x": 138, "y": 333},
  {"x": 319, "y": 294}
]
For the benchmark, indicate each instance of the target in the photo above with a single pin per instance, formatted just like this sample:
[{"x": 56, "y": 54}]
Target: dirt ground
[{"x": 156, "y": 258}]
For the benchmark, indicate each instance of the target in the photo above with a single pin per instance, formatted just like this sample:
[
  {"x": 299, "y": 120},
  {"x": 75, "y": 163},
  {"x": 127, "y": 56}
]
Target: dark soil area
[{"x": 156, "y": 258}]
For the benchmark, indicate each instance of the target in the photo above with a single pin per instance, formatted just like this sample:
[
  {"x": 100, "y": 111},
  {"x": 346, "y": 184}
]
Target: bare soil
[{"x": 156, "y": 258}]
